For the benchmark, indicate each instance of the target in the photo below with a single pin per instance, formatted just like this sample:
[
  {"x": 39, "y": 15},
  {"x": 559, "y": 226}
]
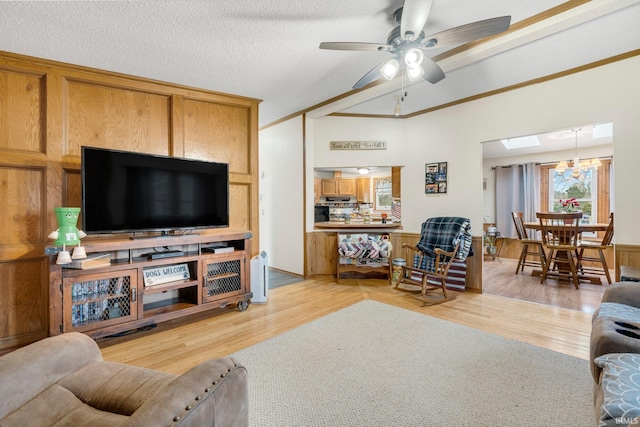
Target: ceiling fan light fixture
[
  {"x": 414, "y": 72},
  {"x": 413, "y": 57},
  {"x": 390, "y": 68}
]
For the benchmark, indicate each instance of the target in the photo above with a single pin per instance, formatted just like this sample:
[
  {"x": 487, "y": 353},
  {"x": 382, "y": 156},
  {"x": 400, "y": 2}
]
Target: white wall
[
  {"x": 281, "y": 195},
  {"x": 604, "y": 94},
  {"x": 322, "y": 131}
]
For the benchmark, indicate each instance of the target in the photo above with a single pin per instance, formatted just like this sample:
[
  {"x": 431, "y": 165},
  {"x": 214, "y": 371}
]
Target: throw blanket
[
  {"x": 363, "y": 246},
  {"x": 445, "y": 232}
]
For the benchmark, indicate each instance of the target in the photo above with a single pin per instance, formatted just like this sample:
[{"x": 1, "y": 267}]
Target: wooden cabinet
[
  {"x": 395, "y": 182},
  {"x": 363, "y": 190},
  {"x": 346, "y": 187},
  {"x": 330, "y": 187},
  {"x": 338, "y": 187},
  {"x": 317, "y": 190},
  {"x": 98, "y": 300},
  {"x": 222, "y": 277},
  {"x": 121, "y": 297}
]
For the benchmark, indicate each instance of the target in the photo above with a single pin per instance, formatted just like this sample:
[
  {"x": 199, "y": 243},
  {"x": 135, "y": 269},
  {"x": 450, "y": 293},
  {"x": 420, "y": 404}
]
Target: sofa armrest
[
  {"x": 213, "y": 393},
  {"x": 28, "y": 371},
  {"x": 627, "y": 293}
]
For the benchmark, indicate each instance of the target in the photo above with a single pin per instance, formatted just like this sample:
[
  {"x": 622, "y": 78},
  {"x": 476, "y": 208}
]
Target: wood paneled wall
[
  {"x": 626, "y": 255},
  {"x": 48, "y": 111}
]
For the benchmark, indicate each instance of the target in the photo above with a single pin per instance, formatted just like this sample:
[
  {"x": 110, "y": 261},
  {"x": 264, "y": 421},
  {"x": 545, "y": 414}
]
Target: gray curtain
[{"x": 517, "y": 190}]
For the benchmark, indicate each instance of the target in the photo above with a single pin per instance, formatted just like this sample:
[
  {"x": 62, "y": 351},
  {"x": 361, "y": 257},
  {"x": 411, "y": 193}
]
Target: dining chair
[
  {"x": 530, "y": 247},
  {"x": 560, "y": 235},
  {"x": 599, "y": 247}
]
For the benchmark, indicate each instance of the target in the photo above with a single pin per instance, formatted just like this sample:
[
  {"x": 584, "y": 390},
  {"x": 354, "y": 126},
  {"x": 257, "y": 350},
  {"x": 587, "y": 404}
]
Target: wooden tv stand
[{"x": 107, "y": 300}]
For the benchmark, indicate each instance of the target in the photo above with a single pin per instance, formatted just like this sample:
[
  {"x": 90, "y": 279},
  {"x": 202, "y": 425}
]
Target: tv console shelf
[{"x": 107, "y": 300}]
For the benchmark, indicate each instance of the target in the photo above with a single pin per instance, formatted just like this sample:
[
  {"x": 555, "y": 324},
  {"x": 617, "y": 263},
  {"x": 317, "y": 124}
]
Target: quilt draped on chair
[{"x": 444, "y": 232}]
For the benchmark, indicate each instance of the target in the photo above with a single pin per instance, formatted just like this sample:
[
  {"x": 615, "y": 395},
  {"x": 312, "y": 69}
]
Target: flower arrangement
[{"x": 570, "y": 205}]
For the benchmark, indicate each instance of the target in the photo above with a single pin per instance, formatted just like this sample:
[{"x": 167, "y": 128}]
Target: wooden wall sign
[{"x": 358, "y": 145}]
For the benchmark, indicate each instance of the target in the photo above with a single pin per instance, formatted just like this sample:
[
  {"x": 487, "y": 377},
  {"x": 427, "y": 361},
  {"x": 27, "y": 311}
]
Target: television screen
[{"x": 132, "y": 192}]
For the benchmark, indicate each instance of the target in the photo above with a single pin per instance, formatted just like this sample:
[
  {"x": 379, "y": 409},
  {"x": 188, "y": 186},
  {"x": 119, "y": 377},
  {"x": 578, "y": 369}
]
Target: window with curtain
[
  {"x": 383, "y": 198},
  {"x": 592, "y": 190},
  {"x": 583, "y": 188}
]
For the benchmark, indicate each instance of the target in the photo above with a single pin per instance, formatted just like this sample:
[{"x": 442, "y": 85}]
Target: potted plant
[{"x": 490, "y": 243}]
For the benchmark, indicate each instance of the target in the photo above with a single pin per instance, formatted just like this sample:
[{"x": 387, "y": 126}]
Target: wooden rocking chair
[{"x": 427, "y": 279}]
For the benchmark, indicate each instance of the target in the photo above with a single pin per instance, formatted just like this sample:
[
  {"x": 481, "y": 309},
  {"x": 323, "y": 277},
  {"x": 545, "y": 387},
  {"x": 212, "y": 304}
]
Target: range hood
[{"x": 338, "y": 199}]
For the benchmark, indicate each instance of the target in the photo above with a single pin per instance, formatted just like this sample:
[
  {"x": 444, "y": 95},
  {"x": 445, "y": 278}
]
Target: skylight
[
  {"x": 522, "y": 142},
  {"x": 603, "y": 131}
]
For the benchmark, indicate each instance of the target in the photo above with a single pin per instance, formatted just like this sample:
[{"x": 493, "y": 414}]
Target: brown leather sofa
[{"x": 64, "y": 381}]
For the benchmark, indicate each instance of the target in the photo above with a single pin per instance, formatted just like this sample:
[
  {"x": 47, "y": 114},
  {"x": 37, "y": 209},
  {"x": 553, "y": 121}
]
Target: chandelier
[{"x": 578, "y": 168}]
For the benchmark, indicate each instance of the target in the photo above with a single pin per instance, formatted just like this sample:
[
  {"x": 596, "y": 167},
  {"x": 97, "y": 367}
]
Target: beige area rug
[{"x": 372, "y": 364}]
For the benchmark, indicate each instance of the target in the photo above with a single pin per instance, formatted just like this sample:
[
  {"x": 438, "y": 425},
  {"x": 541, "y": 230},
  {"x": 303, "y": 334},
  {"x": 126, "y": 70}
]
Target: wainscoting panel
[{"x": 322, "y": 249}]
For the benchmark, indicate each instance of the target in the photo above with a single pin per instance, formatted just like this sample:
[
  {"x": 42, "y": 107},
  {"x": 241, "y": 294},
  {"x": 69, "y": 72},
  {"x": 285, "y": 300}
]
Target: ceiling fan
[{"x": 407, "y": 42}]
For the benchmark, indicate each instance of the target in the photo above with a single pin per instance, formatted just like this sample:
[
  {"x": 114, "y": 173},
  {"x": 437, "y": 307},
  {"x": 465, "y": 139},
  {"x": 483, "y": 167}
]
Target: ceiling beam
[{"x": 518, "y": 35}]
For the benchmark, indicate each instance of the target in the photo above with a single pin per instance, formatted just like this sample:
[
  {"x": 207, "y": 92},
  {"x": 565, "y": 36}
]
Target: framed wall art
[{"x": 435, "y": 181}]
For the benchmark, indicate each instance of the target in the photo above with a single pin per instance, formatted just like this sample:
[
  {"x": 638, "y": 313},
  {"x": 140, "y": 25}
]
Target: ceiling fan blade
[
  {"x": 467, "y": 33},
  {"x": 414, "y": 17},
  {"x": 432, "y": 71},
  {"x": 354, "y": 46},
  {"x": 371, "y": 76}
]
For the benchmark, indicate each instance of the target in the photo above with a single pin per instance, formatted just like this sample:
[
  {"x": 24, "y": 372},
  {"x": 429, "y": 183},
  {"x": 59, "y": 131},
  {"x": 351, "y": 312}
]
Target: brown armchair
[{"x": 63, "y": 380}]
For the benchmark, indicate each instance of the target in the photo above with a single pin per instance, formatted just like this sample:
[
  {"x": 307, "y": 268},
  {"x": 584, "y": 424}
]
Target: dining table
[{"x": 582, "y": 228}]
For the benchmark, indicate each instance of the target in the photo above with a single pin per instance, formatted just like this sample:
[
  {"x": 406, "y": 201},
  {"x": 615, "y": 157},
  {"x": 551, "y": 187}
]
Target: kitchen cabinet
[
  {"x": 338, "y": 187},
  {"x": 395, "y": 182},
  {"x": 363, "y": 188},
  {"x": 346, "y": 187},
  {"x": 316, "y": 190},
  {"x": 329, "y": 187}
]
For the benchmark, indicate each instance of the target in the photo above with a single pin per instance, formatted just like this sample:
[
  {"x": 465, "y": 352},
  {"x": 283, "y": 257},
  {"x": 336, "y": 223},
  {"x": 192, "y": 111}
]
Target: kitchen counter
[{"x": 334, "y": 225}]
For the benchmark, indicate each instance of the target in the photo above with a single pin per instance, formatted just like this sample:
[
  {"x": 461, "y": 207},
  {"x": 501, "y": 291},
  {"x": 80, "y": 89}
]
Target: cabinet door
[
  {"x": 395, "y": 182},
  {"x": 329, "y": 187},
  {"x": 362, "y": 190},
  {"x": 316, "y": 190},
  {"x": 347, "y": 187},
  {"x": 223, "y": 277},
  {"x": 99, "y": 300}
]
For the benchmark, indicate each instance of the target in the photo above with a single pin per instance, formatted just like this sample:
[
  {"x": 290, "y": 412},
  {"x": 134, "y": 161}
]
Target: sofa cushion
[
  {"x": 115, "y": 387},
  {"x": 620, "y": 385},
  {"x": 619, "y": 311},
  {"x": 58, "y": 406},
  {"x": 615, "y": 328}
]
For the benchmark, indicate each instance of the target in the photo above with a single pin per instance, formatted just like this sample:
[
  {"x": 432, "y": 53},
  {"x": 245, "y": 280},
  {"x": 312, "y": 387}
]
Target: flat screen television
[{"x": 126, "y": 192}]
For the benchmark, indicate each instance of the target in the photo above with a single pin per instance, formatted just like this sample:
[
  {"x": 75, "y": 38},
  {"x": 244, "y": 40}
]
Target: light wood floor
[
  {"x": 176, "y": 346},
  {"x": 499, "y": 278}
]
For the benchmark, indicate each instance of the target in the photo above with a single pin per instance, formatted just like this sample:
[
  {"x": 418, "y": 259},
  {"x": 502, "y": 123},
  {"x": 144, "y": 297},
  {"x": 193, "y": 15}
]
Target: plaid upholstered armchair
[{"x": 443, "y": 240}]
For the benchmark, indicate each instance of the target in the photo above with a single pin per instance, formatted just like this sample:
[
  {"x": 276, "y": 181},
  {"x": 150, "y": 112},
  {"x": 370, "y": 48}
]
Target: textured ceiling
[{"x": 269, "y": 49}]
